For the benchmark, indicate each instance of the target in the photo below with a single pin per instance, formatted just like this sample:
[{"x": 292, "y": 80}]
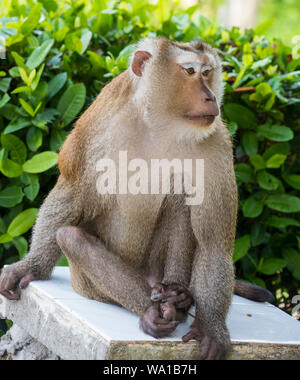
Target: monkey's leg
[
  {"x": 112, "y": 277},
  {"x": 58, "y": 209}
]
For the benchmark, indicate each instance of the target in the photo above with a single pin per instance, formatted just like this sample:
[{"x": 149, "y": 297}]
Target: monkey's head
[{"x": 178, "y": 85}]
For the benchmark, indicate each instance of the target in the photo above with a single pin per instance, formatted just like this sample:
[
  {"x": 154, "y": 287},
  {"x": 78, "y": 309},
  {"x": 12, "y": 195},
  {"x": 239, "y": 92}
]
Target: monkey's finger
[
  {"x": 9, "y": 295},
  {"x": 180, "y": 289},
  {"x": 193, "y": 334},
  {"x": 26, "y": 280},
  {"x": 184, "y": 304},
  {"x": 168, "y": 294},
  {"x": 174, "y": 299},
  {"x": 8, "y": 283},
  {"x": 189, "y": 336}
]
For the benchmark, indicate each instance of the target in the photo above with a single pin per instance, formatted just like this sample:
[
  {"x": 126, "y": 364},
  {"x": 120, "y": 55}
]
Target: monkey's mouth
[{"x": 203, "y": 119}]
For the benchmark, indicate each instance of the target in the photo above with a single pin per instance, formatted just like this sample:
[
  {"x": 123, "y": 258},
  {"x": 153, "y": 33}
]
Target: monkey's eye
[
  {"x": 206, "y": 71},
  {"x": 189, "y": 70}
]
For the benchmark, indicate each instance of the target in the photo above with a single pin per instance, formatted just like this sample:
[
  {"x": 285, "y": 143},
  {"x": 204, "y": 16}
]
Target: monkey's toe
[{"x": 153, "y": 324}]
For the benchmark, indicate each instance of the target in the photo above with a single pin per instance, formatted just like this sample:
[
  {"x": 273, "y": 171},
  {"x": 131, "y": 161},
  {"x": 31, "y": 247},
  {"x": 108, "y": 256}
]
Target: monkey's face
[
  {"x": 193, "y": 97},
  {"x": 181, "y": 83}
]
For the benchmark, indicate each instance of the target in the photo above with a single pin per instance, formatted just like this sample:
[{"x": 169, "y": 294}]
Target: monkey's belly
[{"x": 128, "y": 233}]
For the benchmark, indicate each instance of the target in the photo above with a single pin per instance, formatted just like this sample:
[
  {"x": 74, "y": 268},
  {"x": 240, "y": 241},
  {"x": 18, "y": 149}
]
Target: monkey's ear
[{"x": 139, "y": 59}]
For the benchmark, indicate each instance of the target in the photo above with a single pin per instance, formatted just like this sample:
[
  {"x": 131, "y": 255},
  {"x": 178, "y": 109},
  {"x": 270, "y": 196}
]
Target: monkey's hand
[
  {"x": 153, "y": 324},
  {"x": 211, "y": 348},
  {"x": 14, "y": 278},
  {"x": 175, "y": 294}
]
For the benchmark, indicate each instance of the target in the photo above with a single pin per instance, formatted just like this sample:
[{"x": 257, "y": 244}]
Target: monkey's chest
[{"x": 127, "y": 228}]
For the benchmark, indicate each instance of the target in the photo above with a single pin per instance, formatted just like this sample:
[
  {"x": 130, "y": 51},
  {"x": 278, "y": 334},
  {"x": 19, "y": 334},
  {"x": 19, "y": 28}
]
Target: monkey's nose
[
  {"x": 209, "y": 97},
  {"x": 211, "y": 106}
]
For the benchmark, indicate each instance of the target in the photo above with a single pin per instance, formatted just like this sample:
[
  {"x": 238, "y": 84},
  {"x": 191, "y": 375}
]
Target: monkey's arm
[
  {"x": 172, "y": 287},
  {"x": 57, "y": 210},
  {"x": 212, "y": 280}
]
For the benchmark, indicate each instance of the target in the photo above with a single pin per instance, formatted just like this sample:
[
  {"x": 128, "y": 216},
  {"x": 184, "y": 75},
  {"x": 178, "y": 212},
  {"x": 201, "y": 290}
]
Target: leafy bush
[{"x": 60, "y": 55}]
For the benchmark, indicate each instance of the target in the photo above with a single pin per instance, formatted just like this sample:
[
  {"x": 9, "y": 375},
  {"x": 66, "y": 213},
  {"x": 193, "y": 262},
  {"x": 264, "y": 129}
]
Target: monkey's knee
[{"x": 68, "y": 238}]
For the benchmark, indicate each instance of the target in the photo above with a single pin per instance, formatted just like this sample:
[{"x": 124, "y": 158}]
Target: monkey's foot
[
  {"x": 175, "y": 294},
  {"x": 13, "y": 279},
  {"x": 153, "y": 324},
  {"x": 210, "y": 349}
]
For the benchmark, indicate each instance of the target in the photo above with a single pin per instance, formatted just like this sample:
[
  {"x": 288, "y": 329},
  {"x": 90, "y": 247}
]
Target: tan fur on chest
[{"x": 127, "y": 229}]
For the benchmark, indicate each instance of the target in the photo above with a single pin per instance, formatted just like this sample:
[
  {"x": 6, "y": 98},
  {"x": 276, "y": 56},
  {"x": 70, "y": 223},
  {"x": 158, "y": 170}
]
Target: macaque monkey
[{"x": 150, "y": 253}]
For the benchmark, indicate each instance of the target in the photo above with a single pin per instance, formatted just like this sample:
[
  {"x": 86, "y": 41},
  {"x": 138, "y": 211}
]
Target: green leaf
[
  {"x": 58, "y": 137},
  {"x": 32, "y": 187},
  {"x": 252, "y": 208},
  {"x": 247, "y": 60},
  {"x": 272, "y": 266},
  {"x": 37, "y": 78},
  {"x": 17, "y": 124},
  {"x": 250, "y": 143},
  {"x": 39, "y": 54},
  {"x": 265, "y": 26},
  {"x": 293, "y": 180},
  {"x": 292, "y": 258},
  {"x": 276, "y": 221},
  {"x": 4, "y": 100},
  {"x": 264, "y": 89},
  {"x": 267, "y": 181},
  {"x": 279, "y": 148},
  {"x": 244, "y": 173},
  {"x": 4, "y": 84},
  {"x": 71, "y": 103},
  {"x": 27, "y": 107},
  {"x": 241, "y": 248},
  {"x": 56, "y": 84},
  {"x": 34, "y": 138},
  {"x": 241, "y": 115},
  {"x": 32, "y": 20},
  {"x": 22, "y": 246},
  {"x": 261, "y": 63},
  {"x": 11, "y": 196},
  {"x": 23, "y": 222},
  {"x": 258, "y": 162},
  {"x": 276, "y": 132},
  {"x": 73, "y": 43},
  {"x": 41, "y": 162},
  {"x": 5, "y": 238},
  {"x": 258, "y": 234},
  {"x": 86, "y": 36},
  {"x": 15, "y": 146},
  {"x": 10, "y": 168},
  {"x": 283, "y": 202},
  {"x": 276, "y": 161}
]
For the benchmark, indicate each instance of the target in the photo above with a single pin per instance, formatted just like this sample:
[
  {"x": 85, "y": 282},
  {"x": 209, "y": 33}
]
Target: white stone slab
[{"x": 74, "y": 327}]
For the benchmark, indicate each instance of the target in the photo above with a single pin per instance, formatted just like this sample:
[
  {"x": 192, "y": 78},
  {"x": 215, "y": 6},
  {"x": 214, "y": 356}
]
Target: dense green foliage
[{"x": 60, "y": 56}]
